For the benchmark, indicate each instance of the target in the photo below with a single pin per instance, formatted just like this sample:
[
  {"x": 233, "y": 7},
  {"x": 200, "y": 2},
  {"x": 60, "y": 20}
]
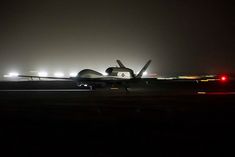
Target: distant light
[
  {"x": 223, "y": 78},
  {"x": 211, "y": 76},
  {"x": 12, "y": 74},
  {"x": 189, "y": 77},
  {"x": 58, "y": 74},
  {"x": 206, "y": 80},
  {"x": 201, "y": 93},
  {"x": 166, "y": 78},
  {"x": 42, "y": 74},
  {"x": 145, "y": 73},
  {"x": 73, "y": 74},
  {"x": 105, "y": 74}
]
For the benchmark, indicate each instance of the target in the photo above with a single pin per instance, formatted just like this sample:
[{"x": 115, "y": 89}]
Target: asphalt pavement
[{"x": 60, "y": 119}]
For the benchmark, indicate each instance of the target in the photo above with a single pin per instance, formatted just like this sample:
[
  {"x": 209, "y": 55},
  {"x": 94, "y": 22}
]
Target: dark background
[{"x": 181, "y": 37}]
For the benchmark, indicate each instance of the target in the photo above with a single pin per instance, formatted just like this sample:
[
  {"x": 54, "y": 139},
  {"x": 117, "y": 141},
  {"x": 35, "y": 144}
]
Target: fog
[{"x": 180, "y": 37}]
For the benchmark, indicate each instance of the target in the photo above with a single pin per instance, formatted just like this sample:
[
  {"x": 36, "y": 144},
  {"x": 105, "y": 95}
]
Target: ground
[{"x": 116, "y": 123}]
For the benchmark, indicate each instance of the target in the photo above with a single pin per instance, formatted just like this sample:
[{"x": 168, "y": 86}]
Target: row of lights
[
  {"x": 11, "y": 74},
  {"x": 42, "y": 74},
  {"x": 45, "y": 74}
]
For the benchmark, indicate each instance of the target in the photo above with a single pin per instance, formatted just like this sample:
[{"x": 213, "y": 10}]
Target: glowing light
[
  {"x": 42, "y": 74},
  {"x": 166, "y": 78},
  {"x": 105, "y": 74},
  {"x": 145, "y": 73},
  {"x": 201, "y": 93},
  {"x": 189, "y": 77},
  {"x": 12, "y": 74},
  {"x": 211, "y": 79},
  {"x": 223, "y": 78},
  {"x": 207, "y": 80},
  {"x": 58, "y": 74},
  {"x": 114, "y": 88},
  {"x": 204, "y": 80},
  {"x": 73, "y": 74},
  {"x": 210, "y": 76}
]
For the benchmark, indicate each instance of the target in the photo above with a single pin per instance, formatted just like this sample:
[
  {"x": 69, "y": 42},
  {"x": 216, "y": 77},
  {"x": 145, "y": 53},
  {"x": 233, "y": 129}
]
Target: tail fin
[
  {"x": 139, "y": 75},
  {"x": 120, "y": 64}
]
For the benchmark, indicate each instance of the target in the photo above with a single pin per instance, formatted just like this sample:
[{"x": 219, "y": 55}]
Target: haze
[{"x": 180, "y": 37}]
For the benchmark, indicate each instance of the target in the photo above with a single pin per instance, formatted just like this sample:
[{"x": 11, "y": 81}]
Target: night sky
[{"x": 181, "y": 37}]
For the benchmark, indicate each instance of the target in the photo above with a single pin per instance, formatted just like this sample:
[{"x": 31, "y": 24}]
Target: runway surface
[
  {"x": 88, "y": 90},
  {"x": 78, "y": 122},
  {"x": 45, "y": 90}
]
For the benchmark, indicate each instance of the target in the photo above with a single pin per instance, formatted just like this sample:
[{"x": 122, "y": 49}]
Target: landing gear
[
  {"x": 126, "y": 89},
  {"x": 91, "y": 88}
]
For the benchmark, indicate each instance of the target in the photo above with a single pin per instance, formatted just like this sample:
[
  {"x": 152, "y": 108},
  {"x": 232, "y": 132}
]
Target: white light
[
  {"x": 105, "y": 74},
  {"x": 59, "y": 74},
  {"x": 42, "y": 74},
  {"x": 145, "y": 73},
  {"x": 11, "y": 74},
  {"x": 73, "y": 74}
]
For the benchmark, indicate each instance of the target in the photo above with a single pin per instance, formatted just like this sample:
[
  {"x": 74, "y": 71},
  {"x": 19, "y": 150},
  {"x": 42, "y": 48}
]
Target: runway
[
  {"x": 88, "y": 90},
  {"x": 57, "y": 117},
  {"x": 45, "y": 90}
]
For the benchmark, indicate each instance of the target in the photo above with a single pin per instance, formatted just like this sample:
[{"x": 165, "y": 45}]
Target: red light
[{"x": 223, "y": 78}]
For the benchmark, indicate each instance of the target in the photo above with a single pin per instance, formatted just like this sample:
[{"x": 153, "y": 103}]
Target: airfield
[{"x": 157, "y": 118}]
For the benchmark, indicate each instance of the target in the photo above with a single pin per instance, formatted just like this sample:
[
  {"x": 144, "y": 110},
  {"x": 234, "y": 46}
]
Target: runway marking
[{"x": 45, "y": 90}]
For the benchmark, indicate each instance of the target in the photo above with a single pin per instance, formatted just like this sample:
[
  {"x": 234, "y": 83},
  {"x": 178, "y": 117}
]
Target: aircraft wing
[{"x": 42, "y": 77}]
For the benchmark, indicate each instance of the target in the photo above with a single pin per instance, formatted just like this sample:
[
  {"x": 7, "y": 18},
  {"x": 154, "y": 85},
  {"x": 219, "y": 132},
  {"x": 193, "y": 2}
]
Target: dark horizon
[{"x": 180, "y": 37}]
